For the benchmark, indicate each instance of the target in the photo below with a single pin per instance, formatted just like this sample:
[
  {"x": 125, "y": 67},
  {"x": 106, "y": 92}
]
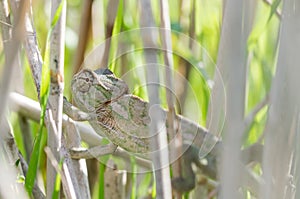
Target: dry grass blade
[
  {"x": 9, "y": 155},
  {"x": 283, "y": 113},
  {"x": 12, "y": 45},
  {"x": 55, "y": 101},
  {"x": 84, "y": 30},
  {"x": 70, "y": 192},
  {"x": 232, "y": 63},
  {"x": 161, "y": 158},
  {"x": 176, "y": 150}
]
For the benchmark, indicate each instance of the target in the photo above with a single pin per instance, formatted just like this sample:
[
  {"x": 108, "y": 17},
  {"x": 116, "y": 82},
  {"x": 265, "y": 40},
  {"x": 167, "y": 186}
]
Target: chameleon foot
[
  {"x": 186, "y": 182},
  {"x": 182, "y": 185}
]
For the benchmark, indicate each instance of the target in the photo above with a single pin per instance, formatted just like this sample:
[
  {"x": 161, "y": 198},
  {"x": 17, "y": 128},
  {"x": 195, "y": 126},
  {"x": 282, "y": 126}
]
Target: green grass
[{"x": 44, "y": 93}]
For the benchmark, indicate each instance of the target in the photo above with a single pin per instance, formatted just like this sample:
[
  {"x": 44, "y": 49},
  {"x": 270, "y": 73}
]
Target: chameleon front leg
[
  {"x": 83, "y": 153},
  {"x": 75, "y": 113}
]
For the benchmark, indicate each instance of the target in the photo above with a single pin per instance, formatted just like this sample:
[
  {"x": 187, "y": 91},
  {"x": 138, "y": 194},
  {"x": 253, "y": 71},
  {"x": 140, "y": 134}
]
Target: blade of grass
[
  {"x": 102, "y": 166},
  {"x": 133, "y": 176},
  {"x": 116, "y": 30},
  {"x": 143, "y": 188},
  {"x": 56, "y": 191},
  {"x": 274, "y": 7},
  {"x": 154, "y": 188},
  {"x": 101, "y": 180},
  {"x": 44, "y": 93}
]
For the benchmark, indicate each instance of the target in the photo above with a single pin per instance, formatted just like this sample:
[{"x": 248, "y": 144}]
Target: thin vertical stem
[
  {"x": 85, "y": 26},
  {"x": 281, "y": 128},
  {"x": 169, "y": 65},
  {"x": 12, "y": 44},
  {"x": 160, "y": 156},
  {"x": 56, "y": 93},
  {"x": 232, "y": 63}
]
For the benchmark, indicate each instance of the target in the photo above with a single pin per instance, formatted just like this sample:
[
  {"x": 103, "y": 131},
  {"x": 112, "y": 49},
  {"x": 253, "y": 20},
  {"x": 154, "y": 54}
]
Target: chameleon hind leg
[
  {"x": 78, "y": 153},
  {"x": 76, "y": 114}
]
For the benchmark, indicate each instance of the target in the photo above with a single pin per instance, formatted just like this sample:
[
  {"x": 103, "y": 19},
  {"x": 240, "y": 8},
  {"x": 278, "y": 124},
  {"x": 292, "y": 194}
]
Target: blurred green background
[{"x": 206, "y": 30}]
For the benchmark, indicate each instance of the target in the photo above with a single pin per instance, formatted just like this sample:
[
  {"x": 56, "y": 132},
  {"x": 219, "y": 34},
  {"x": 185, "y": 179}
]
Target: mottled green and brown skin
[
  {"x": 120, "y": 117},
  {"x": 124, "y": 118}
]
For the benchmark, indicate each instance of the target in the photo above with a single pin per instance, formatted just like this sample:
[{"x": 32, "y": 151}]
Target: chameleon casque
[{"x": 124, "y": 119}]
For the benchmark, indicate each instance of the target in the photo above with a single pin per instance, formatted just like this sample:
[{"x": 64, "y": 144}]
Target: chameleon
[{"x": 105, "y": 102}]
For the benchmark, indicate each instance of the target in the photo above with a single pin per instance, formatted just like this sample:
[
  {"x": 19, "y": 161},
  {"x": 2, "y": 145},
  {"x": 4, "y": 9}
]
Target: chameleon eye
[
  {"x": 82, "y": 81},
  {"x": 83, "y": 85}
]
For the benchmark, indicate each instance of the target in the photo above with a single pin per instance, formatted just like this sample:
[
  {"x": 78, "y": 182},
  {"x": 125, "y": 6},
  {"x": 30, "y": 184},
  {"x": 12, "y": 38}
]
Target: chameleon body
[{"x": 124, "y": 118}]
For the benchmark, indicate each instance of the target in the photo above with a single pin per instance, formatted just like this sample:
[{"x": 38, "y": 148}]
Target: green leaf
[
  {"x": 274, "y": 7},
  {"x": 44, "y": 94},
  {"x": 35, "y": 156},
  {"x": 119, "y": 19},
  {"x": 56, "y": 191},
  {"x": 143, "y": 188},
  {"x": 114, "y": 41},
  {"x": 101, "y": 180},
  {"x": 57, "y": 14},
  {"x": 102, "y": 167},
  {"x": 154, "y": 188},
  {"x": 134, "y": 176},
  {"x": 17, "y": 162}
]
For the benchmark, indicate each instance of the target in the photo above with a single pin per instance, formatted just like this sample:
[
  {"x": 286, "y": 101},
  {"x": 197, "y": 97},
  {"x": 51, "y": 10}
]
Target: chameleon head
[{"x": 92, "y": 89}]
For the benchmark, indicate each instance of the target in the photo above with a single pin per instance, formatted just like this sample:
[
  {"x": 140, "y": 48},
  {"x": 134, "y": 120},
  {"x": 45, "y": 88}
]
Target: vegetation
[{"x": 231, "y": 66}]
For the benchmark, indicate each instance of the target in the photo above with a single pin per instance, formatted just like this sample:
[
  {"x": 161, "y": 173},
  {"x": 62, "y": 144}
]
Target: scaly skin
[{"x": 124, "y": 118}]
